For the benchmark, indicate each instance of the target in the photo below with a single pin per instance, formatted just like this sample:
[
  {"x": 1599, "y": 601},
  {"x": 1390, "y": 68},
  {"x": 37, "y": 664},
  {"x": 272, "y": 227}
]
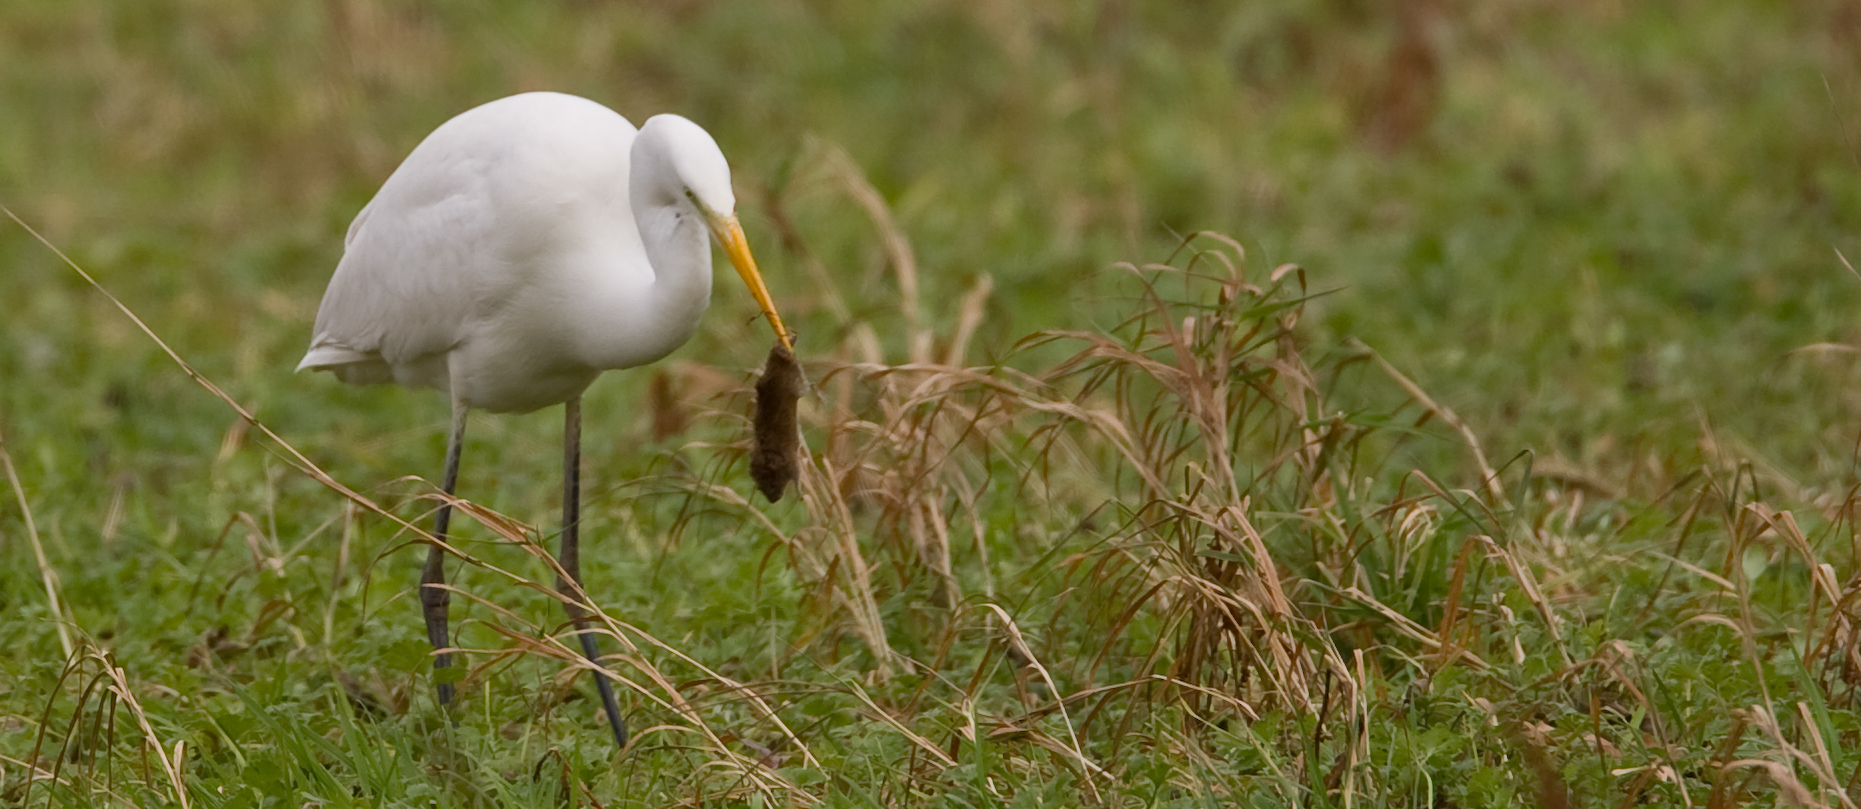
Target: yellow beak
[{"x": 730, "y": 234}]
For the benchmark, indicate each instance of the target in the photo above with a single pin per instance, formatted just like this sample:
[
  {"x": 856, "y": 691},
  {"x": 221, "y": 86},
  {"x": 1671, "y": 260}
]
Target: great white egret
[{"x": 523, "y": 248}]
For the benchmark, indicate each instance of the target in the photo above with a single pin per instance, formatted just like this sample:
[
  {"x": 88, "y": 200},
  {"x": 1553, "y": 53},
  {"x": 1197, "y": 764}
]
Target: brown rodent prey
[{"x": 778, "y": 438}]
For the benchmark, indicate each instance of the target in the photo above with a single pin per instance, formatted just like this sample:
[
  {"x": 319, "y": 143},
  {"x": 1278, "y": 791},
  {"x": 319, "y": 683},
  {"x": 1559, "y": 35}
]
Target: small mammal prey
[{"x": 777, "y": 439}]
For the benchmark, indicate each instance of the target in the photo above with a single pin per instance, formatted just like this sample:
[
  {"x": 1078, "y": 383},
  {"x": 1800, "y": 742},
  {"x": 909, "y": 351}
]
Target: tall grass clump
[
  {"x": 1206, "y": 414},
  {"x": 1168, "y": 445}
]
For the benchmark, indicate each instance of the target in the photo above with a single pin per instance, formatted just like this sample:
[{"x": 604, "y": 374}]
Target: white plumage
[{"x": 523, "y": 248}]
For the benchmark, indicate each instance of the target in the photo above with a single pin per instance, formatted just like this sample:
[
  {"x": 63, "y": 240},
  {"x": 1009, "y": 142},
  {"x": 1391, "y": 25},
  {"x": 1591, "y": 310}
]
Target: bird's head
[{"x": 682, "y": 166}]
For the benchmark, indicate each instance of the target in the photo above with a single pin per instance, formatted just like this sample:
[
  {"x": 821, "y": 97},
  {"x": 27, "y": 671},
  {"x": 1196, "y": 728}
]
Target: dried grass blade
[
  {"x": 1076, "y": 751},
  {"x": 1452, "y": 419},
  {"x": 119, "y": 686},
  {"x": 47, "y": 575},
  {"x": 897, "y": 245}
]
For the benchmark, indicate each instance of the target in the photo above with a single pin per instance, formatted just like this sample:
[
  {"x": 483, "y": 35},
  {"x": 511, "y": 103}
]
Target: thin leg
[
  {"x": 435, "y": 600},
  {"x": 571, "y": 557}
]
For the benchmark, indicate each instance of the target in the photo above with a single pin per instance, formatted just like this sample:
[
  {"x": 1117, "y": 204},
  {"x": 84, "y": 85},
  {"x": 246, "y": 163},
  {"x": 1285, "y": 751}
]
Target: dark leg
[
  {"x": 571, "y": 557},
  {"x": 434, "y": 601}
]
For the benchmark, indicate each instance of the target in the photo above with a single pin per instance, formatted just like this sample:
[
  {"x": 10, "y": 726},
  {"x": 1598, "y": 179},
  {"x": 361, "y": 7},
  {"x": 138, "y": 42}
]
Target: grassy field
[{"x": 1315, "y": 403}]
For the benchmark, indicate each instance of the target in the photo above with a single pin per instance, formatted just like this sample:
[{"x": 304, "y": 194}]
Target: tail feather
[{"x": 349, "y": 365}]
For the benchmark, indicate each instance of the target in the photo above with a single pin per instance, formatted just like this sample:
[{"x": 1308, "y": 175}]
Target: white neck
[
  {"x": 678, "y": 247},
  {"x": 654, "y": 313},
  {"x": 646, "y": 305}
]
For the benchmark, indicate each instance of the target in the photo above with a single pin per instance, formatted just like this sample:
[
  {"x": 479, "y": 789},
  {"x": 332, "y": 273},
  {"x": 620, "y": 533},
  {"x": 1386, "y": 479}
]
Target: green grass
[{"x": 1136, "y": 564}]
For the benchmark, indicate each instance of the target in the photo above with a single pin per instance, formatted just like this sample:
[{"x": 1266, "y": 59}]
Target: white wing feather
[{"x": 455, "y": 233}]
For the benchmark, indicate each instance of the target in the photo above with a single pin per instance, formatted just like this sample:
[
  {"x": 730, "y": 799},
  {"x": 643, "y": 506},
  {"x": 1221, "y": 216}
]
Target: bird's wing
[
  {"x": 414, "y": 269},
  {"x": 451, "y": 235},
  {"x": 425, "y": 255},
  {"x": 356, "y": 226}
]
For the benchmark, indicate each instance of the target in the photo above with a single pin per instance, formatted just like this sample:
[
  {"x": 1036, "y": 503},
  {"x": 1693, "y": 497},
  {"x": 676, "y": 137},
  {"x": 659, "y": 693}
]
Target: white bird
[{"x": 523, "y": 248}]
